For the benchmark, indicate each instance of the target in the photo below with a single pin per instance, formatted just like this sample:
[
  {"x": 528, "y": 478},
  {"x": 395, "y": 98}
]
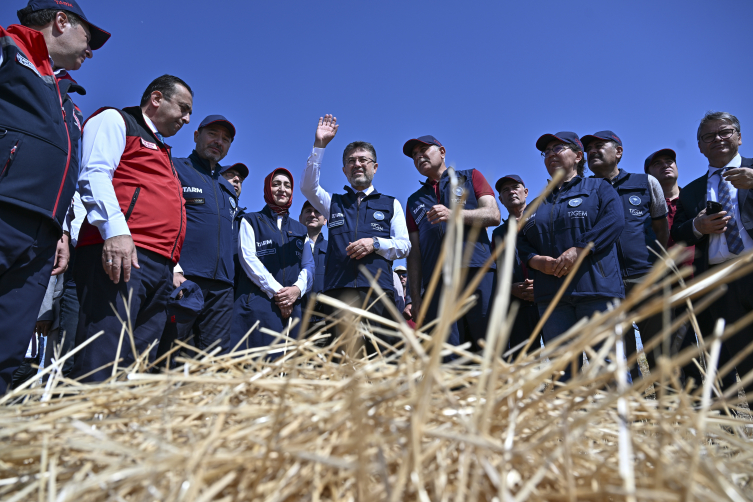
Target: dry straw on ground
[{"x": 314, "y": 423}]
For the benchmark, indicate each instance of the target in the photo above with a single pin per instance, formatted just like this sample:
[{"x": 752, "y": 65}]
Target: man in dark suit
[{"x": 725, "y": 235}]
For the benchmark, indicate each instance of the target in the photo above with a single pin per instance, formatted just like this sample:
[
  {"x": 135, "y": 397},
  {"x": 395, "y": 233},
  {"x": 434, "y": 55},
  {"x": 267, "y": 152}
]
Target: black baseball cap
[
  {"x": 219, "y": 119},
  {"x": 238, "y": 166},
  {"x": 665, "y": 152},
  {"x": 99, "y": 36},
  {"x": 602, "y": 135},
  {"x": 508, "y": 177},
  {"x": 564, "y": 136},
  {"x": 425, "y": 140}
]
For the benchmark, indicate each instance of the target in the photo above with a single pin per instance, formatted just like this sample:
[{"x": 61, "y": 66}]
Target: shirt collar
[
  {"x": 736, "y": 161},
  {"x": 205, "y": 164},
  {"x": 149, "y": 123}
]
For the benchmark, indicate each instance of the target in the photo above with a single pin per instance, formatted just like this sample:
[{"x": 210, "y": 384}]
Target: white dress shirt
[
  {"x": 258, "y": 273},
  {"x": 74, "y": 218},
  {"x": 103, "y": 145},
  {"x": 718, "y": 251},
  {"x": 394, "y": 248}
]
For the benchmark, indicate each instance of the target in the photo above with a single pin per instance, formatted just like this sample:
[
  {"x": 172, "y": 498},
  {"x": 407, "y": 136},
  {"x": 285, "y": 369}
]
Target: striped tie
[{"x": 734, "y": 241}]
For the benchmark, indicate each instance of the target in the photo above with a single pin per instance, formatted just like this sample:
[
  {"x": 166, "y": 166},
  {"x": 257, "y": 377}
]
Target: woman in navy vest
[
  {"x": 580, "y": 210},
  {"x": 278, "y": 268}
]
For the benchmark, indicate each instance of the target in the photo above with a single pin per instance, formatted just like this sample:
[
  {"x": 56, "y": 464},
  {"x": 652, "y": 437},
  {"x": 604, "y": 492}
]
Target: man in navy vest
[
  {"x": 366, "y": 228},
  {"x": 314, "y": 221},
  {"x": 207, "y": 256},
  {"x": 645, "y": 222},
  {"x": 428, "y": 211},
  {"x": 724, "y": 235},
  {"x": 513, "y": 195},
  {"x": 40, "y": 128}
]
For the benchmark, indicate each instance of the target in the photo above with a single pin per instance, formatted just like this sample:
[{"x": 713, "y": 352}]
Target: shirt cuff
[
  {"x": 177, "y": 269},
  {"x": 697, "y": 234},
  {"x": 301, "y": 286},
  {"x": 318, "y": 152},
  {"x": 114, "y": 227}
]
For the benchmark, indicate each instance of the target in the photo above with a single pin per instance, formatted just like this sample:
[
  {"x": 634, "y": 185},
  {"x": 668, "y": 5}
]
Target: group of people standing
[{"x": 163, "y": 244}]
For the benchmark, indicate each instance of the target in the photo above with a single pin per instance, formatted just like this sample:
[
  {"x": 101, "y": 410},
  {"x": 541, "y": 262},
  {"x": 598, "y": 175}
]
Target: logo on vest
[
  {"x": 418, "y": 208},
  {"x": 635, "y": 200},
  {"x": 299, "y": 243},
  {"x": 25, "y": 62},
  {"x": 459, "y": 191},
  {"x": 575, "y": 202},
  {"x": 232, "y": 202},
  {"x": 577, "y": 214},
  {"x": 149, "y": 144},
  {"x": 636, "y": 212},
  {"x": 264, "y": 243},
  {"x": 75, "y": 119},
  {"x": 337, "y": 215},
  {"x": 377, "y": 226},
  {"x": 378, "y": 215},
  {"x": 191, "y": 189}
]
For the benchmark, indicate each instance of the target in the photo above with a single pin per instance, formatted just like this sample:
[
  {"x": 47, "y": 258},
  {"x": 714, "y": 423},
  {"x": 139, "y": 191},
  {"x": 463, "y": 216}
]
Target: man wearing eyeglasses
[
  {"x": 428, "y": 213},
  {"x": 366, "y": 227},
  {"x": 645, "y": 222},
  {"x": 715, "y": 213}
]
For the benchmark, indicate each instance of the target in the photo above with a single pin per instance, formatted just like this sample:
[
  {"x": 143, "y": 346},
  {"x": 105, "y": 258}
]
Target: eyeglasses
[
  {"x": 723, "y": 134},
  {"x": 556, "y": 149},
  {"x": 360, "y": 160}
]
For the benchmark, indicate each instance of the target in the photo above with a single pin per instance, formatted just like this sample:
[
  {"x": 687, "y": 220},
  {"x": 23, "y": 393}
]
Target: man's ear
[
  {"x": 619, "y": 150},
  {"x": 196, "y": 136},
  {"x": 376, "y": 166},
  {"x": 61, "y": 23}
]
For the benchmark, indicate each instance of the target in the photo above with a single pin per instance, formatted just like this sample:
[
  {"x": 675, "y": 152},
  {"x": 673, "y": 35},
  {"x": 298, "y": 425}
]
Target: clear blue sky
[{"x": 486, "y": 78}]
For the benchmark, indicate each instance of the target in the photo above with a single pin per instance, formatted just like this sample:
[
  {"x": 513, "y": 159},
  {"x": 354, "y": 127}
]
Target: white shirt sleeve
[
  {"x": 306, "y": 275},
  {"x": 254, "y": 268},
  {"x": 310, "y": 188},
  {"x": 103, "y": 145},
  {"x": 658, "y": 202},
  {"x": 398, "y": 245}
]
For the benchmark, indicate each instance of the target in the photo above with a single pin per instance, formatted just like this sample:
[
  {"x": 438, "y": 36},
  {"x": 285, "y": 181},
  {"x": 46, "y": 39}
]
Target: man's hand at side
[
  {"x": 523, "y": 290},
  {"x": 360, "y": 248},
  {"x": 62, "y": 255},
  {"x": 119, "y": 253},
  {"x": 287, "y": 297},
  {"x": 325, "y": 131}
]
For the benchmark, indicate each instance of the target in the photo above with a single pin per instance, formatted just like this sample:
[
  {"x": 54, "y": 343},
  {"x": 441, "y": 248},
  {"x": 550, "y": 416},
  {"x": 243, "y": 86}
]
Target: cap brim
[
  {"x": 99, "y": 37},
  {"x": 545, "y": 140},
  {"x": 225, "y": 123},
  {"x": 500, "y": 181},
  {"x": 411, "y": 144},
  {"x": 240, "y": 167}
]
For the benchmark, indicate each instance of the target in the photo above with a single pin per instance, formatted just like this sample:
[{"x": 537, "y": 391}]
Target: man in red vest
[
  {"x": 136, "y": 224},
  {"x": 39, "y": 159}
]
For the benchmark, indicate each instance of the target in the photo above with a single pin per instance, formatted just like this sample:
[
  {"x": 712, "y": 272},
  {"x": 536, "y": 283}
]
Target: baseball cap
[
  {"x": 564, "y": 136},
  {"x": 425, "y": 140},
  {"x": 188, "y": 307},
  {"x": 240, "y": 167},
  {"x": 99, "y": 36},
  {"x": 219, "y": 119},
  {"x": 666, "y": 151},
  {"x": 602, "y": 135},
  {"x": 400, "y": 268},
  {"x": 508, "y": 177}
]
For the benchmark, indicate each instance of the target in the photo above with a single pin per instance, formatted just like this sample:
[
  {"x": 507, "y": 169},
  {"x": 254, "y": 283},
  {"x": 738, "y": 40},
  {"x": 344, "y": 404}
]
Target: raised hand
[{"x": 325, "y": 131}]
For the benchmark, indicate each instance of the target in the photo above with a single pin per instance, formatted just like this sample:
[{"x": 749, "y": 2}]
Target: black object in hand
[{"x": 713, "y": 207}]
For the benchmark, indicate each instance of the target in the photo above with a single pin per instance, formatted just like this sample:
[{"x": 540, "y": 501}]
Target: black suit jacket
[{"x": 692, "y": 201}]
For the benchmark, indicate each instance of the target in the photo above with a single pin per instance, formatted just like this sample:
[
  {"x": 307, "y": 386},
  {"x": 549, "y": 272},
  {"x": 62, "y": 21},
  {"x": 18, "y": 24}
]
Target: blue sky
[{"x": 486, "y": 78}]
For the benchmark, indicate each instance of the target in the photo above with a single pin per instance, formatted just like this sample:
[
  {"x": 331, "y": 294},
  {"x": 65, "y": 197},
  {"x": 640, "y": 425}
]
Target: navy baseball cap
[
  {"x": 240, "y": 167},
  {"x": 219, "y": 119},
  {"x": 99, "y": 36},
  {"x": 602, "y": 135},
  {"x": 665, "y": 152},
  {"x": 424, "y": 140},
  {"x": 508, "y": 177},
  {"x": 188, "y": 307},
  {"x": 564, "y": 136}
]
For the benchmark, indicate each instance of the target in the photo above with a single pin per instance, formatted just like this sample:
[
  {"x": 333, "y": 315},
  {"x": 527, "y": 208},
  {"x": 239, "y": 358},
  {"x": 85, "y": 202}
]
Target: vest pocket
[
  {"x": 10, "y": 142},
  {"x": 133, "y": 203}
]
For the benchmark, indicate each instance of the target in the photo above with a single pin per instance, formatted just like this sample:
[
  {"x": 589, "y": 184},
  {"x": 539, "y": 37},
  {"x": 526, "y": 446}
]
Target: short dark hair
[
  {"x": 358, "y": 145},
  {"x": 164, "y": 84},
  {"x": 723, "y": 116},
  {"x": 31, "y": 18}
]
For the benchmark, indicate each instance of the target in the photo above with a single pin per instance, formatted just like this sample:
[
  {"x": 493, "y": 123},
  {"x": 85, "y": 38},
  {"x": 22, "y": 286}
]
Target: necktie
[
  {"x": 734, "y": 241},
  {"x": 160, "y": 137},
  {"x": 359, "y": 198}
]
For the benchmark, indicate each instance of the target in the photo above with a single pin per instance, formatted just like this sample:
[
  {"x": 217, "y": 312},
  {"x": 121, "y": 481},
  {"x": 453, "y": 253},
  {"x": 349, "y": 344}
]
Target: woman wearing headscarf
[
  {"x": 578, "y": 211},
  {"x": 278, "y": 268}
]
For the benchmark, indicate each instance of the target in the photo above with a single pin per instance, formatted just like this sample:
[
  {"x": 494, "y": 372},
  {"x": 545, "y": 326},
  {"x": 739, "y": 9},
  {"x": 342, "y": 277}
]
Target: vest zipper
[
  {"x": 68, "y": 160},
  {"x": 133, "y": 203},
  {"x": 358, "y": 221},
  {"x": 217, "y": 205},
  {"x": 10, "y": 157},
  {"x": 175, "y": 175}
]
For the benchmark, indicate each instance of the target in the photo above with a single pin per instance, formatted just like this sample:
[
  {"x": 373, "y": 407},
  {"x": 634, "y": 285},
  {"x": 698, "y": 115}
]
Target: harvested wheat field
[{"x": 297, "y": 421}]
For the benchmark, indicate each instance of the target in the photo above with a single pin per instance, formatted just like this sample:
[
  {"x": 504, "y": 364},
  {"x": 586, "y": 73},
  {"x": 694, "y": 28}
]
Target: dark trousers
[
  {"x": 472, "y": 326},
  {"x": 69, "y": 311},
  {"x": 525, "y": 322},
  {"x": 211, "y": 324},
  {"x": 648, "y": 328},
  {"x": 151, "y": 285},
  {"x": 27, "y": 253},
  {"x": 357, "y": 297}
]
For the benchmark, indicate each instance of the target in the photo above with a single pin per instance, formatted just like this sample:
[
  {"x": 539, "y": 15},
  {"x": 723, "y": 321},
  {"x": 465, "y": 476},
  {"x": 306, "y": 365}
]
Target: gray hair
[{"x": 723, "y": 116}]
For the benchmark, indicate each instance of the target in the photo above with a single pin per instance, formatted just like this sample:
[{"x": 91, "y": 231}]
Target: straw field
[{"x": 298, "y": 421}]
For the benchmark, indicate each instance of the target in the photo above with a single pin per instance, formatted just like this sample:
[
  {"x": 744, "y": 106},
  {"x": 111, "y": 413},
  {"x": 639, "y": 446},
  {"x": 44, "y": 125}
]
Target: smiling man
[
  {"x": 40, "y": 128},
  {"x": 136, "y": 224},
  {"x": 428, "y": 213}
]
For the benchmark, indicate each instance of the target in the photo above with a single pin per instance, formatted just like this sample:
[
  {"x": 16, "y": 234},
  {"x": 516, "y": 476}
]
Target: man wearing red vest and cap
[
  {"x": 39, "y": 159},
  {"x": 136, "y": 224}
]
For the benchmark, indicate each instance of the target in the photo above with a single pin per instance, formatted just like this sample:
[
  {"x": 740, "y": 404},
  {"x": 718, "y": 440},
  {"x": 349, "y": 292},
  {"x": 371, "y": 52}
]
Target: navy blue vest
[
  {"x": 211, "y": 204},
  {"x": 279, "y": 250},
  {"x": 239, "y": 214},
  {"x": 39, "y": 139},
  {"x": 634, "y": 191},
  {"x": 348, "y": 223},
  {"x": 431, "y": 236},
  {"x": 320, "y": 258}
]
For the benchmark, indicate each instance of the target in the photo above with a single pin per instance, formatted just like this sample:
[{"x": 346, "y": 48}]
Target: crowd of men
[{"x": 101, "y": 217}]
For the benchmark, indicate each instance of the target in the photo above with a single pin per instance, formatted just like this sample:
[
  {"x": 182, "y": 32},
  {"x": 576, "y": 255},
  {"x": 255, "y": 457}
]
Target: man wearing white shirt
[
  {"x": 314, "y": 221},
  {"x": 723, "y": 235},
  {"x": 366, "y": 228},
  {"x": 136, "y": 224}
]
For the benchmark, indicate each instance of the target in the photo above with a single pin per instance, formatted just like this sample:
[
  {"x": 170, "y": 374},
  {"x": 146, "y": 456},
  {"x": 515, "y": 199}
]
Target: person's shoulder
[
  {"x": 500, "y": 230},
  {"x": 746, "y": 162},
  {"x": 297, "y": 227}
]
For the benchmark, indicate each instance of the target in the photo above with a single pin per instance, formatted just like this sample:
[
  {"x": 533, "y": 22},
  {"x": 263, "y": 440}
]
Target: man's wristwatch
[{"x": 376, "y": 243}]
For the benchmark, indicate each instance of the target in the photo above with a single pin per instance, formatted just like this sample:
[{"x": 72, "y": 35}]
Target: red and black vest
[
  {"x": 40, "y": 127},
  {"x": 148, "y": 190}
]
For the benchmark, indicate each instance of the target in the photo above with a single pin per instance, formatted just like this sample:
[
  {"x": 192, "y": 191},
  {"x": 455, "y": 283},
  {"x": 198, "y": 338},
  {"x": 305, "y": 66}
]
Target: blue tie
[
  {"x": 159, "y": 137},
  {"x": 734, "y": 241}
]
